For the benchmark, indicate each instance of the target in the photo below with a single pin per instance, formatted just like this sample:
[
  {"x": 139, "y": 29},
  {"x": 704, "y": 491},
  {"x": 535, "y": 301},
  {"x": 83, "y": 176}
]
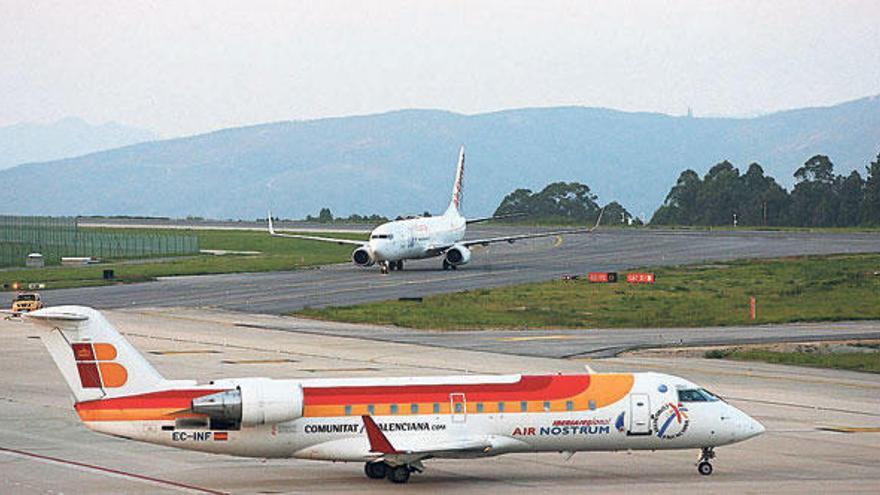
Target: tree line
[
  {"x": 820, "y": 198},
  {"x": 562, "y": 202},
  {"x": 326, "y": 216}
]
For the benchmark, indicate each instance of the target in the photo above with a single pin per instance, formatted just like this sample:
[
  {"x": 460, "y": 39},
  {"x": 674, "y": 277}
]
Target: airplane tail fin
[
  {"x": 457, "y": 192},
  {"x": 95, "y": 360}
]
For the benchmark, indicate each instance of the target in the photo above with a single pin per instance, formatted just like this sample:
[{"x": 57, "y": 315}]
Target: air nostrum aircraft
[{"x": 392, "y": 425}]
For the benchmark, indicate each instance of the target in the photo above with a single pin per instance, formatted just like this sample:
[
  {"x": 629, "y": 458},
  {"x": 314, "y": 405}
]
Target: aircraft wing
[
  {"x": 513, "y": 238},
  {"x": 383, "y": 449},
  {"x": 497, "y": 217},
  {"x": 353, "y": 242}
]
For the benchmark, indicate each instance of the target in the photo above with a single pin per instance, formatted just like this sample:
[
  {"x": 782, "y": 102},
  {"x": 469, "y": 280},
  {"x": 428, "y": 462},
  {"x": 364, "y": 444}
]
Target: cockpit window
[
  {"x": 696, "y": 395},
  {"x": 382, "y": 236}
]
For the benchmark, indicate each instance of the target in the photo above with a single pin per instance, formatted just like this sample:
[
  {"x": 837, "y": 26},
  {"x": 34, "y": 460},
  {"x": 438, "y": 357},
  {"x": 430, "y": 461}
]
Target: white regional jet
[
  {"x": 391, "y": 425},
  {"x": 426, "y": 237}
]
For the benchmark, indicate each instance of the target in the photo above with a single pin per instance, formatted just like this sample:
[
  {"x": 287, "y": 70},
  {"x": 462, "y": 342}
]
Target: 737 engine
[
  {"x": 362, "y": 257},
  {"x": 252, "y": 402},
  {"x": 458, "y": 255}
]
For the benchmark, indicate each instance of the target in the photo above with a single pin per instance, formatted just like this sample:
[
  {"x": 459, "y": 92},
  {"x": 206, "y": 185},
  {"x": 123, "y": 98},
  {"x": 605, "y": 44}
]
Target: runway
[
  {"x": 497, "y": 265},
  {"x": 44, "y": 449}
]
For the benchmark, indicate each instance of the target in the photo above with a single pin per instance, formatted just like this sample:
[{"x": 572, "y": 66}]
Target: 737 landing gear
[
  {"x": 448, "y": 266},
  {"x": 703, "y": 465}
]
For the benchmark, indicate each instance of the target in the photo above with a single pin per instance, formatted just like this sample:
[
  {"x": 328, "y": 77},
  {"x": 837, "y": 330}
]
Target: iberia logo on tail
[{"x": 96, "y": 366}]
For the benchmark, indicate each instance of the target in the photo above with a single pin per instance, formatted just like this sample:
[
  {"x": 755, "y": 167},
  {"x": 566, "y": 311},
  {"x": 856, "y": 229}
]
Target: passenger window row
[{"x": 479, "y": 407}]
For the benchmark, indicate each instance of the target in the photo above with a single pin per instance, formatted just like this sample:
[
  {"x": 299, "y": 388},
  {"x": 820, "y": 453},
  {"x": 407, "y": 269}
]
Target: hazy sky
[{"x": 179, "y": 67}]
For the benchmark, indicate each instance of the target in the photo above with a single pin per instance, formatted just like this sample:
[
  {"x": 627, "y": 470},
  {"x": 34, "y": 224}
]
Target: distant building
[{"x": 35, "y": 260}]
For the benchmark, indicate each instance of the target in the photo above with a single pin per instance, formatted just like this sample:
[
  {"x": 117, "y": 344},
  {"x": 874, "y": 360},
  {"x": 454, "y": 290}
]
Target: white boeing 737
[
  {"x": 391, "y": 425},
  {"x": 426, "y": 237}
]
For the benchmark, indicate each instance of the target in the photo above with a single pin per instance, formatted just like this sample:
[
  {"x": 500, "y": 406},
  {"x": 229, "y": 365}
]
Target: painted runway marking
[
  {"x": 258, "y": 361},
  {"x": 113, "y": 473},
  {"x": 540, "y": 337},
  {"x": 182, "y": 352},
  {"x": 851, "y": 429}
]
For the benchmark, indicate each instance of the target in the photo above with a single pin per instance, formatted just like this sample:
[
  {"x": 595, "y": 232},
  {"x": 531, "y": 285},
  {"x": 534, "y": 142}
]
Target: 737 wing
[
  {"x": 353, "y": 242},
  {"x": 513, "y": 238},
  {"x": 496, "y": 217}
]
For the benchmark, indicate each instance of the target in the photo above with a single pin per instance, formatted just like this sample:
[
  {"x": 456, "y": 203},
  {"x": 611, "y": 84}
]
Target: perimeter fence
[{"x": 57, "y": 237}]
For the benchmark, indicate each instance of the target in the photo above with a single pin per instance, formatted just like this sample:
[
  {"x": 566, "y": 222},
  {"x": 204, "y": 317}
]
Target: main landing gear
[
  {"x": 395, "y": 474},
  {"x": 703, "y": 465},
  {"x": 448, "y": 266}
]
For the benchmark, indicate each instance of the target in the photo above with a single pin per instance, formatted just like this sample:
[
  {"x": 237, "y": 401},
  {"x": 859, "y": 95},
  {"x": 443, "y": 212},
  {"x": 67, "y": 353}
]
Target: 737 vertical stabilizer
[{"x": 455, "y": 204}]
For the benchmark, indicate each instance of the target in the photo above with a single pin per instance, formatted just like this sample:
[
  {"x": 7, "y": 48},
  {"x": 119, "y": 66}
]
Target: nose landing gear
[
  {"x": 704, "y": 467},
  {"x": 387, "y": 266}
]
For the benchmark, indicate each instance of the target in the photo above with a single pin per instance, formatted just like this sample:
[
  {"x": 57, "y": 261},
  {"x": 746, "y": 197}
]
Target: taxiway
[{"x": 44, "y": 448}]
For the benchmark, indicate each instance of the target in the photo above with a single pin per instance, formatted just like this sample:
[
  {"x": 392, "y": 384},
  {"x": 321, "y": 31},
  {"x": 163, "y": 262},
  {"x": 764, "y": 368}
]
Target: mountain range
[
  {"x": 28, "y": 142},
  {"x": 403, "y": 161}
]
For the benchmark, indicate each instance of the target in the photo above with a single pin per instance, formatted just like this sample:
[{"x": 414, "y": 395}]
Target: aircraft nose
[
  {"x": 756, "y": 427},
  {"x": 749, "y": 427}
]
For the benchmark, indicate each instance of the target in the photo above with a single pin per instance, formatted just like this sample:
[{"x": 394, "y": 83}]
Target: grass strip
[
  {"x": 276, "y": 254},
  {"x": 853, "y": 361},
  {"x": 808, "y": 288}
]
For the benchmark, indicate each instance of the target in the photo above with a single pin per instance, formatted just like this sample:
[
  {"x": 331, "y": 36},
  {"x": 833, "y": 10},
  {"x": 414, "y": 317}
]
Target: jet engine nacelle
[
  {"x": 458, "y": 255},
  {"x": 362, "y": 257},
  {"x": 253, "y": 401}
]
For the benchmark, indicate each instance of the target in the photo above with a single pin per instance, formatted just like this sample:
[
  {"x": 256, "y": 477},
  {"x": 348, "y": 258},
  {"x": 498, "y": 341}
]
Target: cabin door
[
  {"x": 639, "y": 415},
  {"x": 458, "y": 407}
]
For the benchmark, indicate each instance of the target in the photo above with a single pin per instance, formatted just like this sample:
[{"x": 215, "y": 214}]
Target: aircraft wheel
[
  {"x": 400, "y": 265},
  {"x": 445, "y": 265},
  {"x": 376, "y": 470},
  {"x": 399, "y": 474},
  {"x": 704, "y": 468}
]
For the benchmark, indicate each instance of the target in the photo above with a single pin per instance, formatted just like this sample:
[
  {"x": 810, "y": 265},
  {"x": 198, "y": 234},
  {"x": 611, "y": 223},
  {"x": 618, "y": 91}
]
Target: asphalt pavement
[{"x": 494, "y": 266}]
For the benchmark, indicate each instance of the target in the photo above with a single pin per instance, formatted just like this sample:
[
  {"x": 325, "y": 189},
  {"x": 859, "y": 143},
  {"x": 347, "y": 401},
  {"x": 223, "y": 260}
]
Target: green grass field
[
  {"x": 275, "y": 254},
  {"x": 854, "y": 361},
  {"x": 816, "y": 288}
]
